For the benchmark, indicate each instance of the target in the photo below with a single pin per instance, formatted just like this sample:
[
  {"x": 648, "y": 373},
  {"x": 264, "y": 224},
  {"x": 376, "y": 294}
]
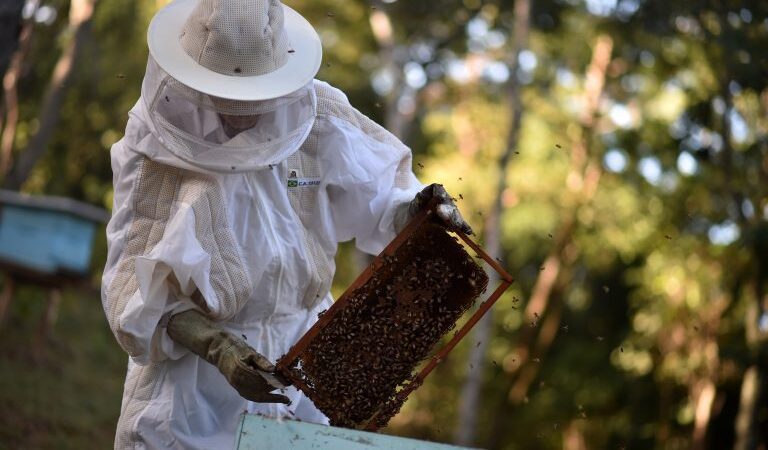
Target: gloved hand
[
  {"x": 446, "y": 209},
  {"x": 251, "y": 374}
]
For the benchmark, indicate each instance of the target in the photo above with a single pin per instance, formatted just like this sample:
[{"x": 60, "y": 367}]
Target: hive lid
[
  {"x": 263, "y": 433},
  {"x": 52, "y": 203}
]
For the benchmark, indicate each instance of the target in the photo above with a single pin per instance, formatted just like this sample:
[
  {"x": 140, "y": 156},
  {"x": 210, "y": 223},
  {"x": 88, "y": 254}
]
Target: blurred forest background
[{"x": 613, "y": 153}]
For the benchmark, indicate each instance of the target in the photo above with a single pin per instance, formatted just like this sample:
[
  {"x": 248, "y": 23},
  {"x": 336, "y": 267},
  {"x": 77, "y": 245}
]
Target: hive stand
[{"x": 48, "y": 242}]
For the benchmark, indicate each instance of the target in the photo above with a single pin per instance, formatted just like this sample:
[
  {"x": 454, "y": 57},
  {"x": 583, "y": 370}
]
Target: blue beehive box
[
  {"x": 47, "y": 236},
  {"x": 261, "y": 433}
]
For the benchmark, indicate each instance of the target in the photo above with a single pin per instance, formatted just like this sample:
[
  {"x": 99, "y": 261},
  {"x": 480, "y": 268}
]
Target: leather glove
[
  {"x": 446, "y": 209},
  {"x": 251, "y": 374}
]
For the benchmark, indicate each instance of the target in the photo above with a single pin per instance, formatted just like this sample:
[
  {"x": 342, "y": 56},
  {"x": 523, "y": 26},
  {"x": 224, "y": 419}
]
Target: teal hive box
[
  {"x": 47, "y": 237},
  {"x": 261, "y": 433}
]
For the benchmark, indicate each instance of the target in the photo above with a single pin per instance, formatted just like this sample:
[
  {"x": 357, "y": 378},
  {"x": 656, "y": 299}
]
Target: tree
[
  {"x": 466, "y": 427},
  {"x": 80, "y": 13}
]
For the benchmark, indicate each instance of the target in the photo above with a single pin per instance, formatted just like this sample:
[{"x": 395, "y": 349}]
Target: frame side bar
[
  {"x": 485, "y": 256},
  {"x": 457, "y": 337}
]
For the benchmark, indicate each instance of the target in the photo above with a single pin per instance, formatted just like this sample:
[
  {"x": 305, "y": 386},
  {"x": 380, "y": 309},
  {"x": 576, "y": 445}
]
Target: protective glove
[
  {"x": 251, "y": 374},
  {"x": 446, "y": 209}
]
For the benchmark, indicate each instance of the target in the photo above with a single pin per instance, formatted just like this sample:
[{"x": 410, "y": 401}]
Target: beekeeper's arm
[
  {"x": 173, "y": 271},
  {"x": 247, "y": 371},
  {"x": 372, "y": 190}
]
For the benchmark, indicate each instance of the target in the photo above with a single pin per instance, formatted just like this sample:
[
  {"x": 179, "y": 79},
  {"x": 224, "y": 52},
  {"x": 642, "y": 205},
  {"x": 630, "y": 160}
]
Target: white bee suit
[{"x": 243, "y": 228}]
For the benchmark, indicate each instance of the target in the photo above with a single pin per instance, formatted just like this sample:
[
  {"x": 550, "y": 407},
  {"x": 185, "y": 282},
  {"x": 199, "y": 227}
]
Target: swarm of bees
[{"x": 370, "y": 349}]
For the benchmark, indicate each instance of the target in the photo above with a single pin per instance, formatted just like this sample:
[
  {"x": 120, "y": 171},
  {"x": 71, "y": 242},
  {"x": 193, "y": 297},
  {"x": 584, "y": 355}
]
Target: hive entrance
[{"x": 357, "y": 364}]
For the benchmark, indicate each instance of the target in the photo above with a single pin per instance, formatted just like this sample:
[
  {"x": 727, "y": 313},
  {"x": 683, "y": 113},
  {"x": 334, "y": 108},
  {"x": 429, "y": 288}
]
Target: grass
[{"x": 67, "y": 395}]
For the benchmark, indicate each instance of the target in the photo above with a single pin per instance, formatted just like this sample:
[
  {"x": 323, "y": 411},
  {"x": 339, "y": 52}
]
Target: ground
[{"x": 67, "y": 395}]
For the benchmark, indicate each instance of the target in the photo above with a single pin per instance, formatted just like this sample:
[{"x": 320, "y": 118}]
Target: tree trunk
[
  {"x": 755, "y": 382},
  {"x": 584, "y": 177},
  {"x": 466, "y": 428},
  {"x": 663, "y": 429},
  {"x": 383, "y": 33},
  {"x": 549, "y": 329},
  {"x": 703, "y": 388},
  {"x": 6, "y": 297},
  {"x": 760, "y": 413},
  {"x": 704, "y": 400},
  {"x": 80, "y": 13},
  {"x": 746, "y": 431},
  {"x": 583, "y": 180},
  {"x": 573, "y": 438},
  {"x": 10, "y": 93}
]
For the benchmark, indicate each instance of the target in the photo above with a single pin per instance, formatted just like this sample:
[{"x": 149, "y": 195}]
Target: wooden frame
[{"x": 287, "y": 361}]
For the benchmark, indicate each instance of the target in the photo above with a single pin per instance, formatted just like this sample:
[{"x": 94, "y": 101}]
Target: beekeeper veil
[{"x": 228, "y": 86}]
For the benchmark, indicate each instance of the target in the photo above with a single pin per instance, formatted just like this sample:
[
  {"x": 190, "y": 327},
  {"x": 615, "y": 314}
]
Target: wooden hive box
[
  {"x": 44, "y": 237},
  {"x": 261, "y": 433}
]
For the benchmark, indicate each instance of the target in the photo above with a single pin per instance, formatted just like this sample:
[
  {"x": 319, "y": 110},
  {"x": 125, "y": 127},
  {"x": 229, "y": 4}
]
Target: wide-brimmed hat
[{"x": 235, "y": 49}]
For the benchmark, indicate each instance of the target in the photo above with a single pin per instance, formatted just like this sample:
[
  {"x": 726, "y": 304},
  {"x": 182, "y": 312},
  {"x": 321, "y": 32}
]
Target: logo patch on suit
[{"x": 295, "y": 180}]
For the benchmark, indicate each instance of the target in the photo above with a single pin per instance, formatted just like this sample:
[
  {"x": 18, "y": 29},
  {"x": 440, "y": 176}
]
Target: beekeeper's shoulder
[{"x": 332, "y": 102}]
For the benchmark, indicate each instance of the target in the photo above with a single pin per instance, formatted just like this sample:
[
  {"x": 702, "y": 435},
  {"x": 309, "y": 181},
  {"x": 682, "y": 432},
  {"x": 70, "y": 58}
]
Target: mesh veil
[{"x": 191, "y": 124}]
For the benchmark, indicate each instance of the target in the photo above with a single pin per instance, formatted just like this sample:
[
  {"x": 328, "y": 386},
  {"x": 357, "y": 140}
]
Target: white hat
[{"x": 235, "y": 49}]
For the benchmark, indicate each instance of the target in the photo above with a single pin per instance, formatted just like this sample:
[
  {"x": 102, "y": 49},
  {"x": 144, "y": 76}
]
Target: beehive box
[
  {"x": 262, "y": 433},
  {"x": 358, "y": 362},
  {"x": 47, "y": 237}
]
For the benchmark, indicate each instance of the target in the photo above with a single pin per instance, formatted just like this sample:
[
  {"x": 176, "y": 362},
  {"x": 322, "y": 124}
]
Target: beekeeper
[{"x": 237, "y": 177}]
